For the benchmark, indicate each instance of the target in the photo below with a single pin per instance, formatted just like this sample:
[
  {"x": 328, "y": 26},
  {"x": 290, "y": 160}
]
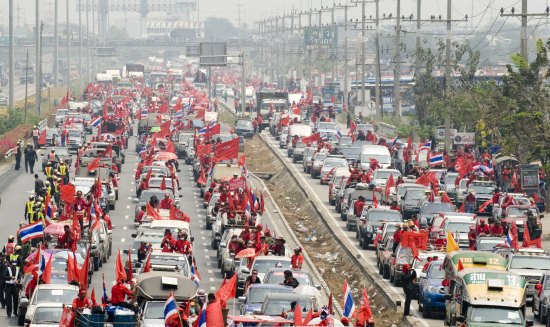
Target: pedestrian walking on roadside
[
  {"x": 30, "y": 158},
  {"x": 409, "y": 275},
  {"x": 18, "y": 153}
]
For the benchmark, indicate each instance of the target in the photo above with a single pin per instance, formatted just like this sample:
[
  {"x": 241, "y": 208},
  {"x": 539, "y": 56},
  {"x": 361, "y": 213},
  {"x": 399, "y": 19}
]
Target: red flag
[
  {"x": 202, "y": 178},
  {"x": 42, "y": 138},
  {"x": 83, "y": 272},
  {"x": 163, "y": 107},
  {"x": 67, "y": 193},
  {"x": 214, "y": 130},
  {"x": 462, "y": 208},
  {"x": 130, "y": 272},
  {"x": 98, "y": 188},
  {"x": 330, "y": 305},
  {"x": 352, "y": 127},
  {"x": 364, "y": 315},
  {"x": 298, "y": 315},
  {"x": 228, "y": 290},
  {"x": 177, "y": 214},
  {"x": 527, "y": 241},
  {"x": 414, "y": 250},
  {"x": 163, "y": 183},
  {"x": 514, "y": 235},
  {"x": 242, "y": 160},
  {"x": 203, "y": 149},
  {"x": 484, "y": 205},
  {"x": 120, "y": 272},
  {"x": 285, "y": 121},
  {"x": 47, "y": 274},
  {"x": 227, "y": 150},
  {"x": 94, "y": 164},
  {"x": 445, "y": 198},
  {"x": 152, "y": 212},
  {"x": 312, "y": 138},
  {"x": 71, "y": 268},
  {"x": 108, "y": 153},
  {"x": 170, "y": 147},
  {"x": 459, "y": 266},
  {"x": 67, "y": 317},
  {"x": 308, "y": 317},
  {"x": 374, "y": 200},
  {"x": 214, "y": 315},
  {"x": 147, "y": 266},
  {"x": 389, "y": 184},
  {"x": 92, "y": 297}
]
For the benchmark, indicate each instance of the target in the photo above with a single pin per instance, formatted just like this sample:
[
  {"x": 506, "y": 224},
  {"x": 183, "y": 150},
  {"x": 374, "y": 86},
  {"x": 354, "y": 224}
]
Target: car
[
  {"x": 386, "y": 232},
  {"x": 52, "y": 135},
  {"x": 282, "y": 137},
  {"x": 385, "y": 251},
  {"x": 371, "y": 220},
  {"x": 307, "y": 158},
  {"x": 541, "y": 298},
  {"x": 431, "y": 294},
  {"x": 262, "y": 264},
  {"x": 489, "y": 243},
  {"x": 381, "y": 176},
  {"x": 76, "y": 138},
  {"x": 244, "y": 128},
  {"x": 459, "y": 226},
  {"x": 45, "y": 293},
  {"x": 277, "y": 303},
  {"x": 448, "y": 185},
  {"x": 166, "y": 261},
  {"x": 276, "y": 276},
  {"x": 317, "y": 163},
  {"x": 338, "y": 193},
  {"x": 430, "y": 209},
  {"x": 298, "y": 153},
  {"x": 46, "y": 315},
  {"x": 330, "y": 164},
  {"x": 255, "y": 296},
  {"x": 145, "y": 196},
  {"x": 410, "y": 201},
  {"x": 401, "y": 256},
  {"x": 226, "y": 257},
  {"x": 60, "y": 116},
  {"x": 335, "y": 182},
  {"x": 483, "y": 191},
  {"x": 400, "y": 192},
  {"x": 461, "y": 190},
  {"x": 530, "y": 263},
  {"x": 210, "y": 215}
]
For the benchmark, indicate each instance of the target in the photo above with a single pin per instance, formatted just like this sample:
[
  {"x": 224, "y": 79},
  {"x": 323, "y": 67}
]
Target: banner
[{"x": 420, "y": 239}]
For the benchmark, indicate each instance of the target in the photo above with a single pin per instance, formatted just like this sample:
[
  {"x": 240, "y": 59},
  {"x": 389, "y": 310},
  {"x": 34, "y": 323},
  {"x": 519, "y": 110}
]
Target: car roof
[
  {"x": 57, "y": 287},
  {"x": 272, "y": 258},
  {"x": 287, "y": 296}
]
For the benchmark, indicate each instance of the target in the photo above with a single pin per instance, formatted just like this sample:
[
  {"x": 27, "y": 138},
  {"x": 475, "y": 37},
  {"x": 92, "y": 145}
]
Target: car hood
[
  {"x": 152, "y": 322},
  {"x": 528, "y": 272},
  {"x": 251, "y": 307}
]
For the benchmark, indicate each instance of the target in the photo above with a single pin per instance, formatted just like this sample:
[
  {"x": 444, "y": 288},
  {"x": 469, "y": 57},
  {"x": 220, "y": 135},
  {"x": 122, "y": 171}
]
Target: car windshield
[
  {"x": 326, "y": 126},
  {"x": 320, "y": 157},
  {"x": 437, "y": 272},
  {"x": 44, "y": 295},
  {"x": 530, "y": 262},
  {"x": 74, "y": 133},
  {"x": 381, "y": 158},
  {"x": 258, "y": 294},
  {"x": 277, "y": 277},
  {"x": 405, "y": 253},
  {"x": 44, "y": 315},
  {"x": 275, "y": 307},
  {"x": 515, "y": 211},
  {"x": 489, "y": 245},
  {"x": 262, "y": 266},
  {"x": 243, "y": 123},
  {"x": 436, "y": 207},
  {"x": 482, "y": 189},
  {"x": 154, "y": 310},
  {"x": 500, "y": 315},
  {"x": 384, "y": 216},
  {"x": 146, "y": 195},
  {"x": 455, "y": 227},
  {"x": 413, "y": 194},
  {"x": 385, "y": 174},
  {"x": 450, "y": 179},
  {"x": 335, "y": 162}
]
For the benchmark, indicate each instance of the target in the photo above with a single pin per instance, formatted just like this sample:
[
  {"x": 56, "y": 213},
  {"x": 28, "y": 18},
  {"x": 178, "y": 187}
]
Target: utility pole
[
  {"x": 523, "y": 42},
  {"x": 243, "y": 86},
  {"x": 397, "y": 70},
  {"x": 11, "y": 95},
  {"x": 80, "y": 70},
  {"x": 334, "y": 45},
  {"x": 68, "y": 48},
  {"x": 346, "y": 73},
  {"x": 88, "y": 66},
  {"x": 418, "y": 27},
  {"x": 378, "y": 77},
  {"x": 363, "y": 90},
  {"x": 37, "y": 35},
  {"x": 448, "y": 77},
  {"x": 56, "y": 44}
]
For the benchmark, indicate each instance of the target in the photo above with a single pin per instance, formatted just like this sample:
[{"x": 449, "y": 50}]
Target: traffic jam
[{"x": 459, "y": 237}]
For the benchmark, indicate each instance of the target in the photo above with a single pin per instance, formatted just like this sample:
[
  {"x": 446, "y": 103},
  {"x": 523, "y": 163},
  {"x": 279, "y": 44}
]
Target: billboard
[
  {"x": 213, "y": 54},
  {"x": 325, "y": 36}
]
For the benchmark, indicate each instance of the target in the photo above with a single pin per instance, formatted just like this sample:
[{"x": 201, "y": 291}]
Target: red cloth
[
  {"x": 397, "y": 236},
  {"x": 183, "y": 246},
  {"x": 358, "y": 207},
  {"x": 296, "y": 261},
  {"x": 82, "y": 303},
  {"x": 166, "y": 203},
  {"x": 79, "y": 204},
  {"x": 119, "y": 293},
  {"x": 140, "y": 216}
]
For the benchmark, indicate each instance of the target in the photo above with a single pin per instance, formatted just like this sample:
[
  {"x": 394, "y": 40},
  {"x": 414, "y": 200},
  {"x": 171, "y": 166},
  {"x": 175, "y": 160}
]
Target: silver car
[{"x": 531, "y": 264}]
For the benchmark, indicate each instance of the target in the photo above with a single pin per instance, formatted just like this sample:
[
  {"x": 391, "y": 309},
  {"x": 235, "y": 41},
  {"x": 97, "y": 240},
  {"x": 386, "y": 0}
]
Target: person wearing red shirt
[
  {"x": 208, "y": 195},
  {"x": 141, "y": 213},
  {"x": 82, "y": 301},
  {"x": 183, "y": 246},
  {"x": 482, "y": 228},
  {"x": 262, "y": 246},
  {"x": 397, "y": 237},
  {"x": 166, "y": 203},
  {"x": 496, "y": 196},
  {"x": 118, "y": 295},
  {"x": 395, "y": 206},
  {"x": 472, "y": 238},
  {"x": 108, "y": 221},
  {"x": 497, "y": 229},
  {"x": 414, "y": 219},
  {"x": 233, "y": 244},
  {"x": 297, "y": 259},
  {"x": 66, "y": 240},
  {"x": 168, "y": 243},
  {"x": 441, "y": 241},
  {"x": 370, "y": 136},
  {"x": 358, "y": 206}
]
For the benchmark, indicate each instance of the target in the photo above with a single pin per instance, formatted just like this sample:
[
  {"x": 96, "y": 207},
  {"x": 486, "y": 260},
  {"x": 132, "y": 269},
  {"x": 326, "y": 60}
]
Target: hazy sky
[{"x": 251, "y": 10}]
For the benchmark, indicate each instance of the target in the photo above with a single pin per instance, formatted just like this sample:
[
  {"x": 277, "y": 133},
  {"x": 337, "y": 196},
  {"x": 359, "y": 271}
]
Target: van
[
  {"x": 378, "y": 152},
  {"x": 299, "y": 130}
]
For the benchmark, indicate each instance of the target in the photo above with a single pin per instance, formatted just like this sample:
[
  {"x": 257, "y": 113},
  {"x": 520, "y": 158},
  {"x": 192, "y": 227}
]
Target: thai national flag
[
  {"x": 201, "y": 319},
  {"x": 349, "y": 305},
  {"x": 144, "y": 113},
  {"x": 509, "y": 238},
  {"x": 195, "y": 276},
  {"x": 324, "y": 136},
  {"x": 178, "y": 114},
  {"x": 96, "y": 122},
  {"x": 170, "y": 311},
  {"x": 247, "y": 209},
  {"x": 31, "y": 231},
  {"x": 338, "y": 134},
  {"x": 41, "y": 264},
  {"x": 436, "y": 159},
  {"x": 205, "y": 128},
  {"x": 255, "y": 202},
  {"x": 427, "y": 145},
  {"x": 244, "y": 171}
]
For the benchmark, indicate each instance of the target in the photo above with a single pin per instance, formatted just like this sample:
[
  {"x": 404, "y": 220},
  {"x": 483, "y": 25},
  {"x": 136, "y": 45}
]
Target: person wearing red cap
[
  {"x": 482, "y": 228},
  {"x": 81, "y": 302},
  {"x": 297, "y": 259}
]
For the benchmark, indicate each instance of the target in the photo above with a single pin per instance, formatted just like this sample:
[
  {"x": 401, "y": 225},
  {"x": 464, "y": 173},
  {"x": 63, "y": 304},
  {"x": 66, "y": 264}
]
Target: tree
[{"x": 218, "y": 29}]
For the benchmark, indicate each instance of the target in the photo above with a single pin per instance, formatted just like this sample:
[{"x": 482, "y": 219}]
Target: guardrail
[{"x": 41, "y": 126}]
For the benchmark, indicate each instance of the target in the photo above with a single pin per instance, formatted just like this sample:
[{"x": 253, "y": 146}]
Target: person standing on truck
[{"x": 35, "y": 135}]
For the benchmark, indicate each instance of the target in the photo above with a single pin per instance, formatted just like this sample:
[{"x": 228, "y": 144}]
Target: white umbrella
[{"x": 316, "y": 321}]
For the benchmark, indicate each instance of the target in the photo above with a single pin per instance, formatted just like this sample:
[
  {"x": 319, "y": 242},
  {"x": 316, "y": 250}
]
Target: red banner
[
  {"x": 227, "y": 150},
  {"x": 312, "y": 138},
  {"x": 420, "y": 239}
]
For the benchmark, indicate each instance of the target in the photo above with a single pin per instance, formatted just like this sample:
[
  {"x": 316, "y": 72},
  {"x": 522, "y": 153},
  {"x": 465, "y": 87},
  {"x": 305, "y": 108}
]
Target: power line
[{"x": 483, "y": 38}]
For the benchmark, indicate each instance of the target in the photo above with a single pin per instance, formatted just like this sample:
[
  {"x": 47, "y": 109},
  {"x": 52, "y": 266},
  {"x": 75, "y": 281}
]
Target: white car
[
  {"x": 48, "y": 294},
  {"x": 46, "y": 314}
]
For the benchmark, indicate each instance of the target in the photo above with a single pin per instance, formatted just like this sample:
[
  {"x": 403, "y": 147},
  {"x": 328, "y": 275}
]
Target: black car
[
  {"x": 244, "y": 128},
  {"x": 371, "y": 221}
]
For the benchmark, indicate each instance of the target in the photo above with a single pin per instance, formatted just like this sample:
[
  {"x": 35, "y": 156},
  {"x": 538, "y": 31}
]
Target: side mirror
[
  {"x": 459, "y": 318},
  {"x": 181, "y": 195},
  {"x": 241, "y": 299},
  {"x": 245, "y": 270}
]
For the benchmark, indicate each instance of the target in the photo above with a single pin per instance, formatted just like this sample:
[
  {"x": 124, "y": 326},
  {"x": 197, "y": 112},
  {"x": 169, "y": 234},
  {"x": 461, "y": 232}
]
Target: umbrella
[
  {"x": 246, "y": 253},
  {"x": 317, "y": 321},
  {"x": 164, "y": 156},
  {"x": 47, "y": 255},
  {"x": 55, "y": 229},
  {"x": 154, "y": 129},
  {"x": 483, "y": 168},
  {"x": 308, "y": 290}
]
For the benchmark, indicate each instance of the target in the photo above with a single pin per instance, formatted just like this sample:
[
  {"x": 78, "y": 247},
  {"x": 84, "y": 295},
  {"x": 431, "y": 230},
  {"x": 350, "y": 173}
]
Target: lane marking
[
  {"x": 126, "y": 217},
  {"x": 122, "y": 240},
  {"x": 202, "y": 232},
  {"x": 124, "y": 227},
  {"x": 210, "y": 271},
  {"x": 127, "y": 207},
  {"x": 203, "y": 238},
  {"x": 212, "y": 279}
]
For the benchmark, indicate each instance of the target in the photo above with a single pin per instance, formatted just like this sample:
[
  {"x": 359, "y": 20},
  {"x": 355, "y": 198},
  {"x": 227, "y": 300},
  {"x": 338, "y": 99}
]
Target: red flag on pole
[
  {"x": 152, "y": 212},
  {"x": 364, "y": 315},
  {"x": 227, "y": 150},
  {"x": 42, "y": 138},
  {"x": 163, "y": 183},
  {"x": 528, "y": 242},
  {"x": 94, "y": 164},
  {"x": 298, "y": 315},
  {"x": 67, "y": 193},
  {"x": 130, "y": 272},
  {"x": 389, "y": 184},
  {"x": 120, "y": 272}
]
